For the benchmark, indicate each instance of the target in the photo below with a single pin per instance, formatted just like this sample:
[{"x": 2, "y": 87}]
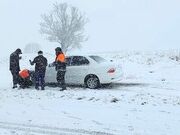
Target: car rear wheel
[{"x": 92, "y": 82}]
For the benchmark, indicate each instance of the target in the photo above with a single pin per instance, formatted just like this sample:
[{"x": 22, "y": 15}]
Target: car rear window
[{"x": 98, "y": 59}]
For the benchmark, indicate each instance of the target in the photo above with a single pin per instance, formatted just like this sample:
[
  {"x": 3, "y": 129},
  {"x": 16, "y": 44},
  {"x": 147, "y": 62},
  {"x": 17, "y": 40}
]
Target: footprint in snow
[
  {"x": 91, "y": 98},
  {"x": 143, "y": 103},
  {"x": 114, "y": 100},
  {"x": 80, "y": 98}
]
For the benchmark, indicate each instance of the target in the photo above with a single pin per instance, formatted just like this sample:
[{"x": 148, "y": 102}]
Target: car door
[
  {"x": 50, "y": 74},
  {"x": 78, "y": 69},
  {"x": 68, "y": 70}
]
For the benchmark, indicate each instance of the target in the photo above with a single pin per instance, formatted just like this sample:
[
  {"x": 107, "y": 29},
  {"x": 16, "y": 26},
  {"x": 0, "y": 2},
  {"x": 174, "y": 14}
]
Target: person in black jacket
[
  {"x": 40, "y": 69},
  {"x": 14, "y": 66},
  {"x": 60, "y": 64}
]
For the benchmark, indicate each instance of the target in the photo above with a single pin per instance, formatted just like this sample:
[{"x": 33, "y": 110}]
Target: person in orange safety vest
[
  {"x": 60, "y": 64},
  {"x": 24, "y": 79}
]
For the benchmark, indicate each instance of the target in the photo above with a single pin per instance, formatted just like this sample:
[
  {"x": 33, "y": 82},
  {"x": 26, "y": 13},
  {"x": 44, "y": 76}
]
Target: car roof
[{"x": 82, "y": 55}]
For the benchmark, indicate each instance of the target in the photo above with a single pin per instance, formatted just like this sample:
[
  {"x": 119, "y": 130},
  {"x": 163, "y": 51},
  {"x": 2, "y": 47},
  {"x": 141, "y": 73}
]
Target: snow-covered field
[{"x": 145, "y": 102}]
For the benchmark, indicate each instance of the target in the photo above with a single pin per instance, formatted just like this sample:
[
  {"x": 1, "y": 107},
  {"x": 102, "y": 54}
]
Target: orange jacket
[
  {"x": 61, "y": 58},
  {"x": 24, "y": 73}
]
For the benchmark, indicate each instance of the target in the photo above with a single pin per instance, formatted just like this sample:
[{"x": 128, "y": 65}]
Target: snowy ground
[{"x": 145, "y": 102}]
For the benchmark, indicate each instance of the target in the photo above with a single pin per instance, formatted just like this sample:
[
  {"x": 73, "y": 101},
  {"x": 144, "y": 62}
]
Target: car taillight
[{"x": 112, "y": 70}]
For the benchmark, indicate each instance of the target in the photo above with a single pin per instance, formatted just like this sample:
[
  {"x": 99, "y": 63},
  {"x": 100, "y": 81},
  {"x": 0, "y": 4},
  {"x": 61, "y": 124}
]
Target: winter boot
[
  {"x": 37, "y": 88},
  {"x": 62, "y": 89},
  {"x": 14, "y": 86}
]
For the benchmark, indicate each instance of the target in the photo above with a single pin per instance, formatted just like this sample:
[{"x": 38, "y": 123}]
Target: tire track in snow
[{"x": 46, "y": 130}]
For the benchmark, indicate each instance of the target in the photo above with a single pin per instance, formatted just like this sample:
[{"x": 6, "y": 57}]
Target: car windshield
[{"x": 98, "y": 59}]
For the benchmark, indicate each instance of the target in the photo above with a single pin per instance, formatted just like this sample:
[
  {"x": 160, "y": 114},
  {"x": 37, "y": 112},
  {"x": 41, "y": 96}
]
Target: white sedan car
[{"x": 90, "y": 71}]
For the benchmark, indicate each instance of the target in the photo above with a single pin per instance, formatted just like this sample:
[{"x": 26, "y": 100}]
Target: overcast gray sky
[{"x": 113, "y": 25}]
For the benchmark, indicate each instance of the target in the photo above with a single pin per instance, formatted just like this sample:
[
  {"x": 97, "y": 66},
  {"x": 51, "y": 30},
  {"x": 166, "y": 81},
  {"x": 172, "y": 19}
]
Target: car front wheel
[{"x": 92, "y": 82}]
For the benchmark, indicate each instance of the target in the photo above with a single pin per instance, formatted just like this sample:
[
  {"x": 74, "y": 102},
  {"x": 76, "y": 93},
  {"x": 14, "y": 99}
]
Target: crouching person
[
  {"x": 24, "y": 79},
  {"x": 40, "y": 69}
]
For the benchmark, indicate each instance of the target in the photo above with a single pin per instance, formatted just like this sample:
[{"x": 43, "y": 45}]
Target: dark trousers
[
  {"x": 61, "y": 79},
  {"x": 39, "y": 76},
  {"x": 25, "y": 82},
  {"x": 15, "y": 76}
]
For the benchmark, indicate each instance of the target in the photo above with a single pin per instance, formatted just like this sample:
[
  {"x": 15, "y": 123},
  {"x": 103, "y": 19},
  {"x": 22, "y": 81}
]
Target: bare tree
[{"x": 64, "y": 25}]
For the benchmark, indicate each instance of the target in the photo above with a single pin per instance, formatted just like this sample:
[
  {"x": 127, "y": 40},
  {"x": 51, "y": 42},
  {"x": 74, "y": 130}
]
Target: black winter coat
[
  {"x": 14, "y": 62},
  {"x": 40, "y": 63}
]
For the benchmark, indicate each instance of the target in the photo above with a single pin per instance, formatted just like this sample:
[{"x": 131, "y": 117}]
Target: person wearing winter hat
[
  {"x": 60, "y": 64},
  {"x": 14, "y": 66}
]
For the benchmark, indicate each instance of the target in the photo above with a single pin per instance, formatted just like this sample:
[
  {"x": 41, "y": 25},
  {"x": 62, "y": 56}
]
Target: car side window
[{"x": 79, "y": 60}]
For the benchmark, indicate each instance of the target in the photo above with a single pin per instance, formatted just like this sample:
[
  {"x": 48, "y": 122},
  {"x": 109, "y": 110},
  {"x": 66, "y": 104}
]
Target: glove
[{"x": 30, "y": 62}]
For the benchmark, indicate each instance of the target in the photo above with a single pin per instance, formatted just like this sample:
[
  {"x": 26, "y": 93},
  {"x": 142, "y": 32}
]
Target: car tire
[{"x": 92, "y": 82}]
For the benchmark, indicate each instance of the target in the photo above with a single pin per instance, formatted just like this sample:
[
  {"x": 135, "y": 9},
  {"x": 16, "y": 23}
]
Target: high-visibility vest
[
  {"x": 24, "y": 73},
  {"x": 61, "y": 58}
]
